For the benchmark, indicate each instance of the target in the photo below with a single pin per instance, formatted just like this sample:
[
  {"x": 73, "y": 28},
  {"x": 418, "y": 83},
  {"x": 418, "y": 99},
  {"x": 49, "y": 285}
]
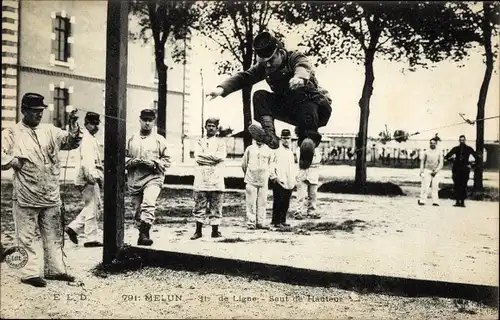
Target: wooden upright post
[{"x": 115, "y": 125}]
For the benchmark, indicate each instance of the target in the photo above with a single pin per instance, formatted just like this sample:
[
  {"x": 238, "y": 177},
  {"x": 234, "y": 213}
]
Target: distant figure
[
  {"x": 284, "y": 177},
  {"x": 461, "y": 169},
  {"x": 89, "y": 180},
  {"x": 147, "y": 160},
  {"x": 430, "y": 165},
  {"x": 307, "y": 189},
  {"x": 256, "y": 165},
  {"x": 210, "y": 154},
  {"x": 31, "y": 149}
]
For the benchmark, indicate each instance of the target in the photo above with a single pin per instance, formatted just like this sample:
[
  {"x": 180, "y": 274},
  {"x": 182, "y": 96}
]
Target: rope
[{"x": 126, "y": 121}]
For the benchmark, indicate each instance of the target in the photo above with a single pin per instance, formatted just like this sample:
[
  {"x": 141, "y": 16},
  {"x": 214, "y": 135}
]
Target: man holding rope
[
  {"x": 297, "y": 99},
  {"x": 32, "y": 149}
]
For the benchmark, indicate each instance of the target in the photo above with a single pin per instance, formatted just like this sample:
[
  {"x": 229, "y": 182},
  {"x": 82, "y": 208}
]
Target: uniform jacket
[
  {"x": 256, "y": 164},
  {"x": 295, "y": 64},
  {"x": 462, "y": 155},
  {"x": 36, "y": 184},
  {"x": 151, "y": 147},
  {"x": 431, "y": 160},
  {"x": 209, "y": 176},
  {"x": 284, "y": 168},
  {"x": 90, "y": 160}
]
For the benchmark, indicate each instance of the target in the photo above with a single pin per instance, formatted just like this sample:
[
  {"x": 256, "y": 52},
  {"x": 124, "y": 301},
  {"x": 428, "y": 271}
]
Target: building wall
[
  {"x": 84, "y": 73},
  {"x": 10, "y": 56}
]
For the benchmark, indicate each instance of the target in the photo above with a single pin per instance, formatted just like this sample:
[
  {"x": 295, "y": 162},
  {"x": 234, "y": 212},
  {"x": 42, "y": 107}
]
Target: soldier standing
[
  {"x": 90, "y": 181},
  {"x": 209, "y": 154},
  {"x": 255, "y": 164},
  {"x": 284, "y": 177},
  {"x": 146, "y": 163},
  {"x": 31, "y": 149},
  {"x": 461, "y": 169},
  {"x": 430, "y": 164}
]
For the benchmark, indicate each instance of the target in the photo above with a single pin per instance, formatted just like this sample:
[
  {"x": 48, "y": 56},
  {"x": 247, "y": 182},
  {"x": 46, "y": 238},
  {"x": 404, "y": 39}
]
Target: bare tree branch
[{"x": 237, "y": 32}]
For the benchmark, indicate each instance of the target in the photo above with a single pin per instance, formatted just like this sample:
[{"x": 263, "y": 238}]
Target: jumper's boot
[
  {"x": 197, "y": 234},
  {"x": 144, "y": 239},
  {"x": 265, "y": 134},
  {"x": 306, "y": 153},
  {"x": 215, "y": 232}
]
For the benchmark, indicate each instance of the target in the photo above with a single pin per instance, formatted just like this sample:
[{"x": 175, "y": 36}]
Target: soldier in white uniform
[
  {"x": 90, "y": 181},
  {"x": 147, "y": 160},
  {"x": 31, "y": 149},
  {"x": 209, "y": 154},
  {"x": 431, "y": 163},
  {"x": 256, "y": 165},
  {"x": 307, "y": 189}
]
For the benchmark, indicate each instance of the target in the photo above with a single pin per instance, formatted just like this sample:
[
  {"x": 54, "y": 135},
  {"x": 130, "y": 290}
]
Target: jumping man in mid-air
[{"x": 297, "y": 99}]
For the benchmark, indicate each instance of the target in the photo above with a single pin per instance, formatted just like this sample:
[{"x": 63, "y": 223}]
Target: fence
[{"x": 375, "y": 156}]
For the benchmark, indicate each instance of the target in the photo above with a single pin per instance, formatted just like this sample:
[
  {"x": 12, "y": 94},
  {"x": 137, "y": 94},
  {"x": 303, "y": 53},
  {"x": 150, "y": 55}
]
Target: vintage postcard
[{"x": 249, "y": 159}]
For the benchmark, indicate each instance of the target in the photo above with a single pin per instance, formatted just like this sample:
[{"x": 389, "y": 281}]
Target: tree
[
  {"x": 360, "y": 31},
  {"x": 232, "y": 25},
  {"x": 480, "y": 26},
  {"x": 164, "y": 21}
]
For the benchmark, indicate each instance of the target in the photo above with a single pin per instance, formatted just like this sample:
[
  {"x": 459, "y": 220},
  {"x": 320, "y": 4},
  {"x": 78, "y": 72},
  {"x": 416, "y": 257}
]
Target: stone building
[{"x": 58, "y": 49}]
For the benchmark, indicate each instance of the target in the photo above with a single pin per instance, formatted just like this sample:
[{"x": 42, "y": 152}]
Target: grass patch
[
  {"x": 372, "y": 188},
  {"x": 487, "y": 194},
  {"x": 231, "y": 240},
  {"x": 348, "y": 226}
]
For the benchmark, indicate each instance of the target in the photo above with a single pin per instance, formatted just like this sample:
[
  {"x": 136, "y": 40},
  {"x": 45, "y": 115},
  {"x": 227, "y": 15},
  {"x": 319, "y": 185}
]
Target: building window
[
  {"x": 61, "y": 43},
  {"x": 61, "y": 101}
]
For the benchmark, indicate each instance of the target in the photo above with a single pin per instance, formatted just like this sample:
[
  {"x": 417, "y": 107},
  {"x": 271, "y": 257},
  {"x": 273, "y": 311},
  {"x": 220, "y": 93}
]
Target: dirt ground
[
  {"x": 177, "y": 294},
  {"x": 155, "y": 293}
]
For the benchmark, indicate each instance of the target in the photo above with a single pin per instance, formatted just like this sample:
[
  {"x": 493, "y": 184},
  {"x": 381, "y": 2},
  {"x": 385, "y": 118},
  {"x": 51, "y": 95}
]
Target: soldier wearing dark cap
[
  {"x": 209, "y": 154},
  {"x": 284, "y": 177},
  {"x": 460, "y": 157},
  {"x": 31, "y": 149},
  {"x": 89, "y": 180},
  {"x": 296, "y": 99},
  {"x": 146, "y": 163}
]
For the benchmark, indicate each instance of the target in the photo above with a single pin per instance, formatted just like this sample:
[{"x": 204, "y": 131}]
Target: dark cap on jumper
[
  {"x": 33, "y": 101},
  {"x": 265, "y": 45}
]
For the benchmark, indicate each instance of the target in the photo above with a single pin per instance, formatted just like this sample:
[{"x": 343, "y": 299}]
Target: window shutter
[
  {"x": 69, "y": 43},
  {"x": 54, "y": 37}
]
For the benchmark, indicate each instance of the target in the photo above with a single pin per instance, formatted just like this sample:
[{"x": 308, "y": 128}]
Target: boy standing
[
  {"x": 255, "y": 165},
  {"x": 284, "y": 177},
  {"x": 209, "y": 154},
  {"x": 307, "y": 189}
]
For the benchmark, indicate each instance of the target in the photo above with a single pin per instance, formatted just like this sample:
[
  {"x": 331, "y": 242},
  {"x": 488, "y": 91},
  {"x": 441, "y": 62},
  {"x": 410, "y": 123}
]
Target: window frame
[{"x": 61, "y": 95}]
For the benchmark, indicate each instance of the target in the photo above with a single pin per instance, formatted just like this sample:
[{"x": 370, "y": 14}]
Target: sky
[{"x": 422, "y": 101}]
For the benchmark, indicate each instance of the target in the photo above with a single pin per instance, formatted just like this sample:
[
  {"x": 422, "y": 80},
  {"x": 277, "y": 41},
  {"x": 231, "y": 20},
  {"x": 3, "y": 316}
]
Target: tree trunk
[
  {"x": 161, "y": 120},
  {"x": 364, "y": 105},
  {"x": 478, "y": 171}
]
